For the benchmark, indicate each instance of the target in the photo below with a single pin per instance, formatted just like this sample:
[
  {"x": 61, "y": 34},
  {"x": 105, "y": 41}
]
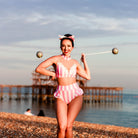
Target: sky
[{"x": 28, "y": 26}]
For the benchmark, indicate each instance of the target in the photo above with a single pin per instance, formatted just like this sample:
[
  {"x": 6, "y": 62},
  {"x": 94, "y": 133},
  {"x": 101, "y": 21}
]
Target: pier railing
[{"x": 44, "y": 93}]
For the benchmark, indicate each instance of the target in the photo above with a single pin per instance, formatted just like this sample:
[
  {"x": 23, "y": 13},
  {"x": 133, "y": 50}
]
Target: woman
[{"x": 68, "y": 94}]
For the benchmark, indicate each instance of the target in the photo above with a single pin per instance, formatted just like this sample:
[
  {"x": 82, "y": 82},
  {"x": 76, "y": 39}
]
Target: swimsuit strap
[{"x": 66, "y": 58}]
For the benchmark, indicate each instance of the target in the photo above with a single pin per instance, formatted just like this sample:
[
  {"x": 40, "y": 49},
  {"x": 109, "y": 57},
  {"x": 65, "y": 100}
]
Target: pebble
[{"x": 22, "y": 126}]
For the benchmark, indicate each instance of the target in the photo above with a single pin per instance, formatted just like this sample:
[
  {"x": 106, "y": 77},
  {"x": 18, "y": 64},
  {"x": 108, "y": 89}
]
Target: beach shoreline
[{"x": 20, "y": 125}]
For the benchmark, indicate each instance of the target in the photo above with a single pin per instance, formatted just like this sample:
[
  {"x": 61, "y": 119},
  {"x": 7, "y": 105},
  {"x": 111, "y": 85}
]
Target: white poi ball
[
  {"x": 115, "y": 51},
  {"x": 39, "y": 54}
]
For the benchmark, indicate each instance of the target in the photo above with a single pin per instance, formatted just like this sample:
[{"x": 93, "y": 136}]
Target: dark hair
[
  {"x": 28, "y": 109},
  {"x": 67, "y": 37},
  {"x": 41, "y": 113}
]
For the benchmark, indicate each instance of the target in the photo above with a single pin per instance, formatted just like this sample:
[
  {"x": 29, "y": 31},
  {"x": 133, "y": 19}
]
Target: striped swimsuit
[{"x": 67, "y": 92}]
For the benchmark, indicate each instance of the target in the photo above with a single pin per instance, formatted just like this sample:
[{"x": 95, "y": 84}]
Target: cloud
[
  {"x": 76, "y": 21},
  {"x": 37, "y": 24},
  {"x": 94, "y": 22}
]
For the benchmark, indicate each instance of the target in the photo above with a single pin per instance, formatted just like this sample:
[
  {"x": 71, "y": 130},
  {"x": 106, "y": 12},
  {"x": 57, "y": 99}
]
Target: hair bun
[{"x": 67, "y": 35}]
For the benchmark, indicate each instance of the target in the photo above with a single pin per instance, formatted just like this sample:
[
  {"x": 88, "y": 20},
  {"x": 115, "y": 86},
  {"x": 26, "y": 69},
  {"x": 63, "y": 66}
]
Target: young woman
[{"x": 68, "y": 94}]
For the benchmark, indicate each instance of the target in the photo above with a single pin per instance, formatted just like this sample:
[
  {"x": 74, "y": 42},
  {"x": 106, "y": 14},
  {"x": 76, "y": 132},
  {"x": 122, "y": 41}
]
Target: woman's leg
[
  {"x": 74, "y": 108},
  {"x": 61, "y": 112}
]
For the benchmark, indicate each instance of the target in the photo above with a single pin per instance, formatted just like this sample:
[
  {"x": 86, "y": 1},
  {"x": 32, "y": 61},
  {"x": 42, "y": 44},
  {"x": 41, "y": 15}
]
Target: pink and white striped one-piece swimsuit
[{"x": 67, "y": 92}]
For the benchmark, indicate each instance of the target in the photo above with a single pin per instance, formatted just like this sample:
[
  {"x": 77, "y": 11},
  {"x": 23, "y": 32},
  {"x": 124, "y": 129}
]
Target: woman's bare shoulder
[
  {"x": 54, "y": 58},
  {"x": 75, "y": 61}
]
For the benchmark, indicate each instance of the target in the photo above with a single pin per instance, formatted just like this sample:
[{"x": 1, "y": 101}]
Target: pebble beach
[{"x": 19, "y": 125}]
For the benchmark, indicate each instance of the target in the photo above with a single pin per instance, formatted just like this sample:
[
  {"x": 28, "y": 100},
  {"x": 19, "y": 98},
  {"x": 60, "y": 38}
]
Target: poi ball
[
  {"x": 115, "y": 51},
  {"x": 39, "y": 54}
]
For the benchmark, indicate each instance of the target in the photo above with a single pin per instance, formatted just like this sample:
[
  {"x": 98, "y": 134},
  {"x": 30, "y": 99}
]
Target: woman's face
[{"x": 66, "y": 47}]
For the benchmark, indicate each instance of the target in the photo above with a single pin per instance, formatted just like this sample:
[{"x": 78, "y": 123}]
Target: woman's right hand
[{"x": 53, "y": 77}]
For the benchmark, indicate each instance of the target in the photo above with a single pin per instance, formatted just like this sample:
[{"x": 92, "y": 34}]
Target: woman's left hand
[{"x": 83, "y": 57}]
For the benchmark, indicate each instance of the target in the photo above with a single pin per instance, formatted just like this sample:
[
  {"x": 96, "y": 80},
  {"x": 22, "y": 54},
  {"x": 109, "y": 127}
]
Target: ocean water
[{"x": 119, "y": 114}]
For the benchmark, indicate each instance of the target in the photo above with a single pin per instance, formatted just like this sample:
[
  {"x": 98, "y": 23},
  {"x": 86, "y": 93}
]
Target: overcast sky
[{"x": 28, "y": 26}]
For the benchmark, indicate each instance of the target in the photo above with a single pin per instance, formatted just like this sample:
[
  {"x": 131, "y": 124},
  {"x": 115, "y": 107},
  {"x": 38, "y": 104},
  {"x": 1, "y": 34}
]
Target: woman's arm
[
  {"x": 41, "y": 68},
  {"x": 85, "y": 73}
]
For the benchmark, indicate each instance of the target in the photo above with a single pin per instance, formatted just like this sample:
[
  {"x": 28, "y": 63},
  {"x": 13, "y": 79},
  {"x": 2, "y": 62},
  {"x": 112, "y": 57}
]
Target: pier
[
  {"x": 43, "y": 88},
  {"x": 44, "y": 93}
]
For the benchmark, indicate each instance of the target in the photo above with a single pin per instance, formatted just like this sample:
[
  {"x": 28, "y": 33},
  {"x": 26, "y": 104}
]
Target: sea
[{"x": 123, "y": 113}]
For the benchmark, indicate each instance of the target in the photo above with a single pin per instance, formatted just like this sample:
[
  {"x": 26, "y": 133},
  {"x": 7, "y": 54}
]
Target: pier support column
[
  {"x": 18, "y": 93},
  {"x": 1, "y": 93},
  {"x": 10, "y": 93}
]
